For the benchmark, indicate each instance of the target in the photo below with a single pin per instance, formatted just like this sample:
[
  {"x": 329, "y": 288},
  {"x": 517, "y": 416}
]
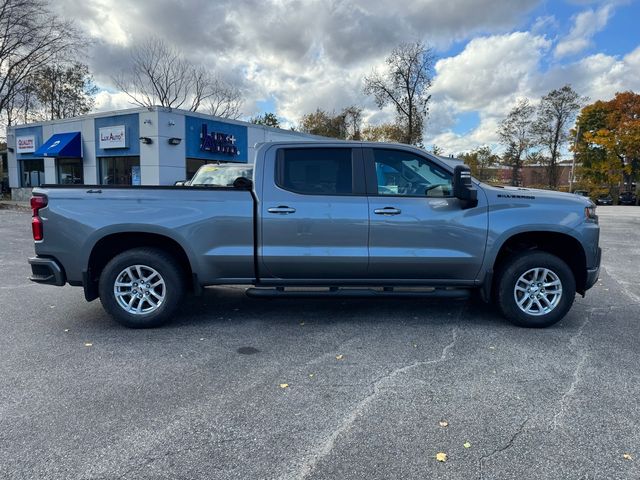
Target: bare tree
[
  {"x": 23, "y": 104},
  {"x": 405, "y": 84},
  {"x": 30, "y": 37},
  {"x": 160, "y": 75},
  {"x": 515, "y": 133},
  {"x": 224, "y": 100},
  {"x": 556, "y": 112}
]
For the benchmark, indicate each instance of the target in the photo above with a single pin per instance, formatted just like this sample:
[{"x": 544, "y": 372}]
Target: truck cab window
[
  {"x": 406, "y": 174},
  {"x": 315, "y": 171}
]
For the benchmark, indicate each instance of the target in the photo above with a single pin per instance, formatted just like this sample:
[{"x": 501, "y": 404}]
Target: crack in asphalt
[
  {"x": 146, "y": 461},
  {"x": 624, "y": 285},
  {"x": 507, "y": 446},
  {"x": 325, "y": 449},
  {"x": 569, "y": 392},
  {"x": 582, "y": 358}
]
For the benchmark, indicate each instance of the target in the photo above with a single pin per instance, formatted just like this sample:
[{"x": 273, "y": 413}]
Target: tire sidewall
[
  {"x": 160, "y": 262},
  {"x": 518, "y": 266}
]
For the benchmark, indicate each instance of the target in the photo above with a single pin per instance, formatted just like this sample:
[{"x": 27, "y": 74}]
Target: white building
[{"x": 138, "y": 146}]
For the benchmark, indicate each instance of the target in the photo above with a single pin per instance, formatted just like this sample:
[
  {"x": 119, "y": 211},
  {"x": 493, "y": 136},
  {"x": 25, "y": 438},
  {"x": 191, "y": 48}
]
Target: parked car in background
[
  {"x": 627, "y": 198},
  {"x": 582, "y": 193},
  {"x": 605, "y": 199}
]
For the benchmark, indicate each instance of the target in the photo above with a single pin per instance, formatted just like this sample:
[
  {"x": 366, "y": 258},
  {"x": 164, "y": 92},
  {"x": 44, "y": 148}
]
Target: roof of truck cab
[{"x": 449, "y": 161}]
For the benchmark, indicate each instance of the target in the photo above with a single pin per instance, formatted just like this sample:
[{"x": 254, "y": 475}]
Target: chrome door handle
[
  {"x": 282, "y": 210},
  {"x": 387, "y": 211}
]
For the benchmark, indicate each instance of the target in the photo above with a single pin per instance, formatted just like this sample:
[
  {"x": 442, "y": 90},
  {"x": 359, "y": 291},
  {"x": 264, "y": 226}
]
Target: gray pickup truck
[{"x": 319, "y": 219}]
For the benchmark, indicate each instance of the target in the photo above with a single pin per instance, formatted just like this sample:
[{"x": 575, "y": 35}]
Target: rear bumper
[
  {"x": 594, "y": 273},
  {"x": 47, "y": 271}
]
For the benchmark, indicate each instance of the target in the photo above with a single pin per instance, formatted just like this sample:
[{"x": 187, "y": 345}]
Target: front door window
[
  {"x": 407, "y": 174},
  {"x": 70, "y": 171}
]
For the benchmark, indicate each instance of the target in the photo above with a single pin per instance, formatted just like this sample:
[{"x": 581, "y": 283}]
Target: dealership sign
[
  {"x": 26, "y": 144},
  {"x": 216, "y": 142},
  {"x": 113, "y": 137}
]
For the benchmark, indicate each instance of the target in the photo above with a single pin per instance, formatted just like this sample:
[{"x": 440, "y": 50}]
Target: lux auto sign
[
  {"x": 215, "y": 142},
  {"x": 113, "y": 137}
]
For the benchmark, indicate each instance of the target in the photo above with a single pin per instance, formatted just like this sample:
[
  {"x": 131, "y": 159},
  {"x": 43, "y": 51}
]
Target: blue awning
[{"x": 67, "y": 145}]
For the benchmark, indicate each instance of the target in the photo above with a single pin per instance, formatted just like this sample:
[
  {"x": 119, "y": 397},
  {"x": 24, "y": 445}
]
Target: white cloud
[
  {"x": 301, "y": 55},
  {"x": 109, "y": 101},
  {"x": 586, "y": 25},
  {"x": 597, "y": 76},
  {"x": 490, "y": 71},
  {"x": 487, "y": 77}
]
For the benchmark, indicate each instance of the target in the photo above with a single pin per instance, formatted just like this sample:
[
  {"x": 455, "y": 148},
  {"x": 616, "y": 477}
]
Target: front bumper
[
  {"x": 594, "y": 273},
  {"x": 47, "y": 271}
]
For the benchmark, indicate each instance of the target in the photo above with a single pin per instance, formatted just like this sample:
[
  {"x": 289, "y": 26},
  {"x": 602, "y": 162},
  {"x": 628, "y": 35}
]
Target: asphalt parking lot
[{"x": 369, "y": 383}]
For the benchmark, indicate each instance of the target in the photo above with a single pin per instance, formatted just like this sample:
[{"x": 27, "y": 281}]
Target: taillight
[
  {"x": 37, "y": 202},
  {"x": 36, "y": 227}
]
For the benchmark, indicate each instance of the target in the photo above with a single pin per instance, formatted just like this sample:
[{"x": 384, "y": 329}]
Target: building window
[
  {"x": 120, "y": 170},
  {"x": 70, "y": 171},
  {"x": 32, "y": 174}
]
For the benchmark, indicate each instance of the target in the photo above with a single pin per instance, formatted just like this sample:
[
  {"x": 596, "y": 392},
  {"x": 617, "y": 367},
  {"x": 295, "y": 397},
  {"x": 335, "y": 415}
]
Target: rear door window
[{"x": 315, "y": 171}]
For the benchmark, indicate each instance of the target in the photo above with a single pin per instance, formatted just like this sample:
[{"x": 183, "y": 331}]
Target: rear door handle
[
  {"x": 387, "y": 211},
  {"x": 281, "y": 209}
]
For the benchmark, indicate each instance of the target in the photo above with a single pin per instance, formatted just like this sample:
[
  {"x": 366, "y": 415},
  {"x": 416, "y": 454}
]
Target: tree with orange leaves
[{"x": 608, "y": 144}]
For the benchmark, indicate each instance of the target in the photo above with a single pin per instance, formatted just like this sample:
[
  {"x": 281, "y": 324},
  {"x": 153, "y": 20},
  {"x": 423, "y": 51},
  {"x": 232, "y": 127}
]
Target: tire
[
  {"x": 546, "y": 306},
  {"x": 155, "y": 301}
]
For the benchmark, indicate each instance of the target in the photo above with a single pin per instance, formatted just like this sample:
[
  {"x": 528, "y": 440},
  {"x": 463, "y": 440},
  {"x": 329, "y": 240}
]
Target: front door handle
[
  {"x": 387, "y": 211},
  {"x": 282, "y": 210}
]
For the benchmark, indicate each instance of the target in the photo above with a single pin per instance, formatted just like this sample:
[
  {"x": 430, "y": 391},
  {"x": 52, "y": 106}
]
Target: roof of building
[{"x": 157, "y": 108}]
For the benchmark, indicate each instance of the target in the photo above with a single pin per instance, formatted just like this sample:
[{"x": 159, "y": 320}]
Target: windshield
[{"x": 220, "y": 175}]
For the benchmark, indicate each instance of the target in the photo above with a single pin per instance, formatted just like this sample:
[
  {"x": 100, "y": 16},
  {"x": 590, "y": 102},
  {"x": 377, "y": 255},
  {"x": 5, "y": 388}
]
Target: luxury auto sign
[{"x": 216, "y": 142}]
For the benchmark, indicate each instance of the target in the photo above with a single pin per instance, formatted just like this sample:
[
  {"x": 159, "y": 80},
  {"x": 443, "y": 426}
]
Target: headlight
[{"x": 590, "y": 214}]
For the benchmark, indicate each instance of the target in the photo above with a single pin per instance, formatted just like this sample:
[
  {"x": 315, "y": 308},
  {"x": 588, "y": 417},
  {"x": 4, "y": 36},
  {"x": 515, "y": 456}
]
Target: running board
[{"x": 297, "y": 292}]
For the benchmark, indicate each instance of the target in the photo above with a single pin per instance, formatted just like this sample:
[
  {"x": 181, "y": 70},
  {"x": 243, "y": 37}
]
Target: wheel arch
[
  {"x": 112, "y": 244},
  {"x": 561, "y": 244}
]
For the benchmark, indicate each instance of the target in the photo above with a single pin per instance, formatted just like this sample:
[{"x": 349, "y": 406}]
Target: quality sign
[{"x": 26, "y": 144}]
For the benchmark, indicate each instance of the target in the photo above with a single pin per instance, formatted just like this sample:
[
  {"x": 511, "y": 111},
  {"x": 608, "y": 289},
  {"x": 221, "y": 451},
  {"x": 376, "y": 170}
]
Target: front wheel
[
  {"x": 535, "y": 289},
  {"x": 142, "y": 287}
]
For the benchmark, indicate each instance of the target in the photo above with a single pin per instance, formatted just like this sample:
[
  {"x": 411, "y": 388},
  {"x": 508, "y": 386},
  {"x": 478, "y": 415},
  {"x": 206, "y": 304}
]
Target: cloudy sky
[{"x": 294, "y": 56}]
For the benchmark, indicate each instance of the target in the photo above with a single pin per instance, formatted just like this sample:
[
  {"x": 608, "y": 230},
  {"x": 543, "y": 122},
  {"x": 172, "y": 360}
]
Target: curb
[{"x": 13, "y": 205}]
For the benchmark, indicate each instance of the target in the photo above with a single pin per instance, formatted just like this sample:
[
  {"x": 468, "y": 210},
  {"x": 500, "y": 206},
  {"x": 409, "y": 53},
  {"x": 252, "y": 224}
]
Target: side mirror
[
  {"x": 242, "y": 183},
  {"x": 463, "y": 188},
  {"x": 179, "y": 183}
]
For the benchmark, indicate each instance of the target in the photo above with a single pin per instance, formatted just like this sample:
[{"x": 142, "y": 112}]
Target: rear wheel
[
  {"x": 535, "y": 289},
  {"x": 142, "y": 287}
]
